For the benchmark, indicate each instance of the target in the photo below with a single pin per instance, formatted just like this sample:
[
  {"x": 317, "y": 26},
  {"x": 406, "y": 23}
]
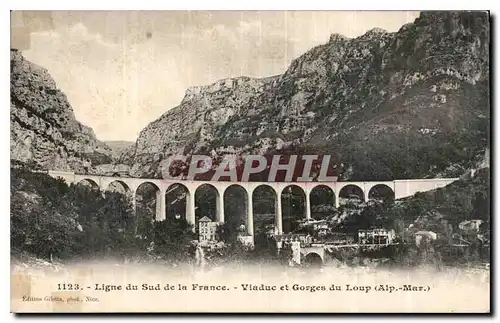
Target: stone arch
[
  {"x": 177, "y": 198},
  {"x": 351, "y": 192},
  {"x": 313, "y": 259},
  {"x": 89, "y": 183},
  {"x": 147, "y": 210},
  {"x": 207, "y": 202},
  {"x": 147, "y": 183},
  {"x": 123, "y": 187},
  {"x": 236, "y": 209},
  {"x": 264, "y": 207},
  {"x": 322, "y": 201},
  {"x": 293, "y": 204},
  {"x": 381, "y": 192}
]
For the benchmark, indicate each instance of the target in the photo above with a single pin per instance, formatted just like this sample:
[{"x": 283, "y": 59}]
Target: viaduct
[{"x": 400, "y": 188}]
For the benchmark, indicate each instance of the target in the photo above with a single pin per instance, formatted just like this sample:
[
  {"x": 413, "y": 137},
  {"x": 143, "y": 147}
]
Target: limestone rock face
[
  {"x": 44, "y": 132},
  {"x": 427, "y": 84},
  {"x": 414, "y": 103},
  {"x": 195, "y": 123}
]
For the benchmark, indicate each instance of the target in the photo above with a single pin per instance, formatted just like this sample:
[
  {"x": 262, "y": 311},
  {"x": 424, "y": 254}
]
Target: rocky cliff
[
  {"x": 414, "y": 103},
  {"x": 44, "y": 132}
]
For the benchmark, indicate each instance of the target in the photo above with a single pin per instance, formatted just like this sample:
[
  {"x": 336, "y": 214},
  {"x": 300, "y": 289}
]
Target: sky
[{"x": 123, "y": 69}]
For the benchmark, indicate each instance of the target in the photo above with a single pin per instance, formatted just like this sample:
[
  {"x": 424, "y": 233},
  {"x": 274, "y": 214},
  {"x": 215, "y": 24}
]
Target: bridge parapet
[
  {"x": 408, "y": 187},
  {"x": 69, "y": 177}
]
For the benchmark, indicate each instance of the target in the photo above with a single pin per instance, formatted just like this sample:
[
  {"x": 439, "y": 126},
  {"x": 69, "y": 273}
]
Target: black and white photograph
[{"x": 250, "y": 161}]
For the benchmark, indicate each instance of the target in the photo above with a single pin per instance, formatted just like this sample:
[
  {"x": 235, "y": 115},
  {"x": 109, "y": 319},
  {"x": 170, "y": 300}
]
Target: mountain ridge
[
  {"x": 44, "y": 131},
  {"x": 424, "y": 86}
]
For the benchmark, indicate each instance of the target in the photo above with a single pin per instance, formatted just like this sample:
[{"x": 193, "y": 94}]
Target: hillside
[
  {"x": 44, "y": 132},
  {"x": 51, "y": 220},
  {"x": 119, "y": 147},
  {"x": 410, "y": 104},
  {"x": 464, "y": 200}
]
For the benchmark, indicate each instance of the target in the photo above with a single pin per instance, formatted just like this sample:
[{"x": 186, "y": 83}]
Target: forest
[{"x": 50, "y": 219}]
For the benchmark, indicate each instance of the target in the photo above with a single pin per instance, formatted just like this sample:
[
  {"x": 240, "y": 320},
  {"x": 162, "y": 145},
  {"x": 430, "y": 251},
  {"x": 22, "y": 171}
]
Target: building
[
  {"x": 246, "y": 240},
  {"x": 207, "y": 230},
  {"x": 302, "y": 239},
  {"x": 340, "y": 238},
  {"x": 271, "y": 229},
  {"x": 470, "y": 225},
  {"x": 424, "y": 236},
  {"x": 376, "y": 236},
  {"x": 320, "y": 227},
  {"x": 315, "y": 224},
  {"x": 291, "y": 252}
]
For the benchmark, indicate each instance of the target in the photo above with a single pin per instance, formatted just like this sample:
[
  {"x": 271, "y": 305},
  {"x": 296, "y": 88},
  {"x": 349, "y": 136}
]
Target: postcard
[{"x": 250, "y": 161}]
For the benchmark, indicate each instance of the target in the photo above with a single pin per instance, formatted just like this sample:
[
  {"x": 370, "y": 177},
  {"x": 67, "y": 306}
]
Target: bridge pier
[
  {"x": 219, "y": 208},
  {"x": 278, "y": 218},
  {"x": 161, "y": 212},
  {"x": 134, "y": 204},
  {"x": 249, "y": 226},
  {"x": 190, "y": 210},
  {"x": 308, "y": 205},
  {"x": 365, "y": 193}
]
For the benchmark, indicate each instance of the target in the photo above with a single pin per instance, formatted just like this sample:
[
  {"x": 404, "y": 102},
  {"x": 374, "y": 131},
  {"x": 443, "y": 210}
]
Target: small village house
[
  {"x": 207, "y": 230},
  {"x": 424, "y": 236},
  {"x": 376, "y": 236}
]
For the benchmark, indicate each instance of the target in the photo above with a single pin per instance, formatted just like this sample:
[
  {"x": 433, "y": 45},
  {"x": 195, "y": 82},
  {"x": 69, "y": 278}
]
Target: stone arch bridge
[
  {"x": 307, "y": 252},
  {"x": 400, "y": 188}
]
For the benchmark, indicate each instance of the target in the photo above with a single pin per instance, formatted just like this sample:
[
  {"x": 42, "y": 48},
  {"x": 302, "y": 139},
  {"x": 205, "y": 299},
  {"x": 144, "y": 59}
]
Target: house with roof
[
  {"x": 424, "y": 235},
  {"x": 281, "y": 239},
  {"x": 376, "y": 236},
  {"x": 207, "y": 230}
]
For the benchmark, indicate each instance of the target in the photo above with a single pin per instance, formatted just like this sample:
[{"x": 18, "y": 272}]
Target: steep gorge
[
  {"x": 409, "y": 104},
  {"x": 44, "y": 133}
]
